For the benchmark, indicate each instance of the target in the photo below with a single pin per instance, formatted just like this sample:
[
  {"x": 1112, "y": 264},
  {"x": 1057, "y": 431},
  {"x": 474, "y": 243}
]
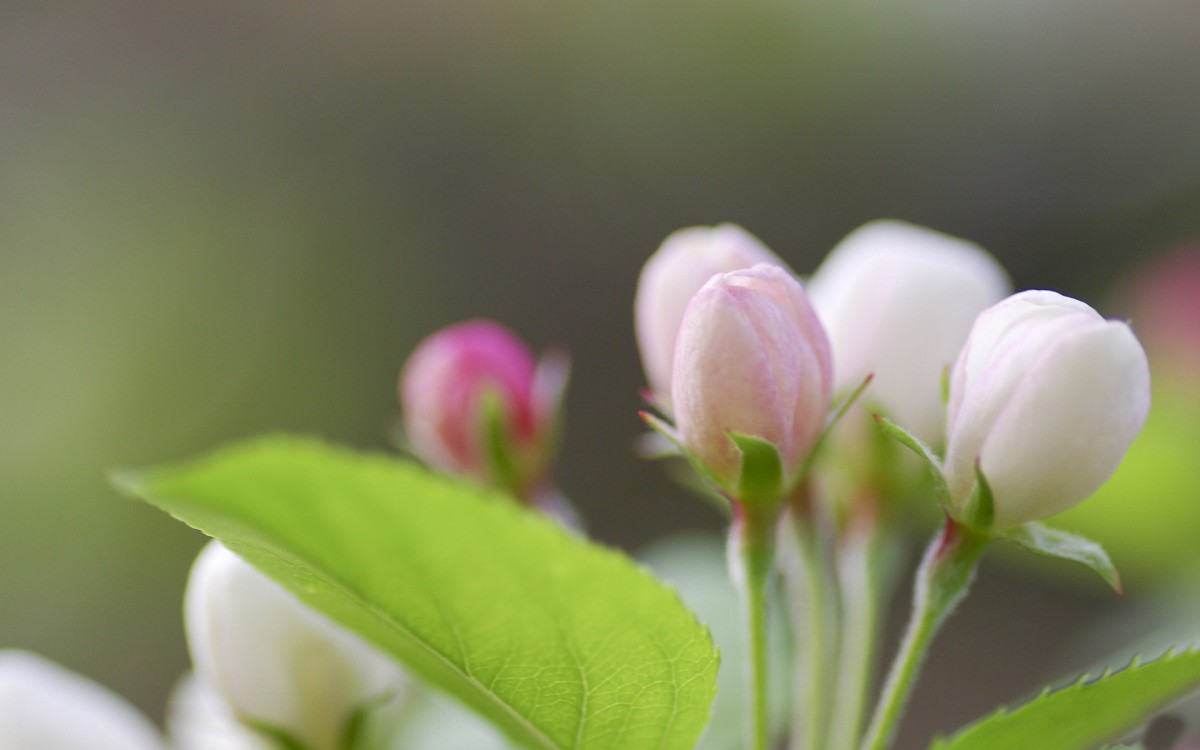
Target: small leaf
[
  {"x": 913, "y": 443},
  {"x": 1080, "y": 716},
  {"x": 558, "y": 642},
  {"x": 761, "y": 478},
  {"x": 1052, "y": 542}
]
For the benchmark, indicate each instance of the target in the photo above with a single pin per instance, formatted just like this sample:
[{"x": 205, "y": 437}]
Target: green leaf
[
  {"x": 761, "y": 478},
  {"x": 1051, "y": 542},
  {"x": 1085, "y": 714},
  {"x": 560, "y": 643},
  {"x": 913, "y": 443}
]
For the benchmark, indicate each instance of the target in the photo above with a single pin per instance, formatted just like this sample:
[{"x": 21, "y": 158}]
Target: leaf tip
[{"x": 129, "y": 482}]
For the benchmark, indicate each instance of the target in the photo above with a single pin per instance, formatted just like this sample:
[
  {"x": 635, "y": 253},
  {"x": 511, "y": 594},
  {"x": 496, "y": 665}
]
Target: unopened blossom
[
  {"x": 46, "y": 707},
  {"x": 683, "y": 263},
  {"x": 463, "y": 375},
  {"x": 198, "y": 718},
  {"x": 275, "y": 661},
  {"x": 752, "y": 359},
  {"x": 898, "y": 301},
  {"x": 1046, "y": 397}
]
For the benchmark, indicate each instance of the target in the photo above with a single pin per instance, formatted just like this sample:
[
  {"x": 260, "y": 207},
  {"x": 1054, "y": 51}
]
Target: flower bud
[
  {"x": 477, "y": 404},
  {"x": 276, "y": 662},
  {"x": 199, "y": 719},
  {"x": 1045, "y": 398},
  {"x": 898, "y": 301},
  {"x": 46, "y": 707},
  {"x": 671, "y": 277},
  {"x": 751, "y": 359}
]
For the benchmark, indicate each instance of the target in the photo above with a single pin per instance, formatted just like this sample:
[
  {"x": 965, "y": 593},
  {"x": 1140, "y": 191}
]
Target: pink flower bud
[
  {"x": 1046, "y": 396},
  {"x": 752, "y": 359},
  {"x": 672, "y": 276},
  {"x": 898, "y": 301},
  {"x": 450, "y": 382}
]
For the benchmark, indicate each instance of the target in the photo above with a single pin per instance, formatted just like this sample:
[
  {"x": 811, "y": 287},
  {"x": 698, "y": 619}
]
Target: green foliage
[
  {"x": 1051, "y": 542},
  {"x": 560, "y": 643},
  {"x": 1084, "y": 714}
]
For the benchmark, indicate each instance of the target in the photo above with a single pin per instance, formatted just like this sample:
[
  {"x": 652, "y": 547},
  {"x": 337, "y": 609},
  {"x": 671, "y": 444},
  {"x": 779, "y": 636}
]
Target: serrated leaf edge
[{"x": 942, "y": 742}]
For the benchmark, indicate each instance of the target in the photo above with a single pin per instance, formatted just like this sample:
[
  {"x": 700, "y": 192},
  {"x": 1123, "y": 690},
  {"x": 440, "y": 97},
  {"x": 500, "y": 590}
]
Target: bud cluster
[{"x": 1044, "y": 399}]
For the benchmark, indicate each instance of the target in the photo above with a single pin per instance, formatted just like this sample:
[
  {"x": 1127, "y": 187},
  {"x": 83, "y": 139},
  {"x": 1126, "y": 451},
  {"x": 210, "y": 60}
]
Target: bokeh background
[{"x": 224, "y": 218}]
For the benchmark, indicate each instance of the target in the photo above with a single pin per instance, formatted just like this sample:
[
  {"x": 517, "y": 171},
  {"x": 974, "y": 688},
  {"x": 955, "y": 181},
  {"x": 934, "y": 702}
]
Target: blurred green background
[{"x": 224, "y": 218}]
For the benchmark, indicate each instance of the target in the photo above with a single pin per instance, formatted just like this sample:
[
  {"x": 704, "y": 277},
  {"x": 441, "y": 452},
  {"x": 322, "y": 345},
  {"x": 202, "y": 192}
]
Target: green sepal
[
  {"x": 924, "y": 452},
  {"x": 1052, "y": 542},
  {"x": 761, "y": 481},
  {"x": 662, "y": 427},
  {"x": 276, "y": 736},
  {"x": 835, "y": 415},
  {"x": 503, "y": 467},
  {"x": 980, "y": 511}
]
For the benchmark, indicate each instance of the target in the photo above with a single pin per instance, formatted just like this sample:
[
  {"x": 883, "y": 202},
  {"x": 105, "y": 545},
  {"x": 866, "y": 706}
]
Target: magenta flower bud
[
  {"x": 477, "y": 404},
  {"x": 1045, "y": 398},
  {"x": 671, "y": 277},
  {"x": 751, "y": 359}
]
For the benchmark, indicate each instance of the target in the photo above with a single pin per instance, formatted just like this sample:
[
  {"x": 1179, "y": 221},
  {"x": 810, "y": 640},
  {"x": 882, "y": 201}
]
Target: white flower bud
[
  {"x": 275, "y": 661},
  {"x": 898, "y": 300},
  {"x": 199, "y": 719},
  {"x": 46, "y": 707},
  {"x": 683, "y": 263},
  {"x": 1046, "y": 396}
]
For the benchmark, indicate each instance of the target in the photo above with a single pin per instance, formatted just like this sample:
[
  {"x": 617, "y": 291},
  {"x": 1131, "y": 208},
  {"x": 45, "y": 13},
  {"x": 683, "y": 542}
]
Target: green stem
[
  {"x": 862, "y": 595},
  {"x": 812, "y": 609},
  {"x": 943, "y": 580},
  {"x": 751, "y": 561}
]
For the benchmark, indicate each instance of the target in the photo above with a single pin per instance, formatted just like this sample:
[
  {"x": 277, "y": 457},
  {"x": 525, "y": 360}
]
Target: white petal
[
  {"x": 46, "y": 707},
  {"x": 199, "y": 719},
  {"x": 1068, "y": 424},
  {"x": 898, "y": 301}
]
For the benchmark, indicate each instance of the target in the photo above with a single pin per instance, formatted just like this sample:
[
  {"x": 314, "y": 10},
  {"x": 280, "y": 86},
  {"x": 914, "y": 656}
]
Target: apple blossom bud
[
  {"x": 477, "y": 404},
  {"x": 46, "y": 707},
  {"x": 898, "y": 301},
  {"x": 277, "y": 663},
  {"x": 1045, "y": 398},
  {"x": 199, "y": 719},
  {"x": 686, "y": 259},
  {"x": 751, "y": 359}
]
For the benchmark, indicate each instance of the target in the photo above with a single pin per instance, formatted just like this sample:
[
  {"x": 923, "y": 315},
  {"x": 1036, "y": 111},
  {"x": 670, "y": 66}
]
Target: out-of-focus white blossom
[
  {"x": 46, "y": 707},
  {"x": 898, "y": 300}
]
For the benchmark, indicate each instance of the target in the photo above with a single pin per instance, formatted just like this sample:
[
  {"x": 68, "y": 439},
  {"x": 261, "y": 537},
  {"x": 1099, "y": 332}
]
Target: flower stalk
[
  {"x": 942, "y": 581},
  {"x": 814, "y": 611},
  {"x": 751, "y": 553},
  {"x": 862, "y": 594}
]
